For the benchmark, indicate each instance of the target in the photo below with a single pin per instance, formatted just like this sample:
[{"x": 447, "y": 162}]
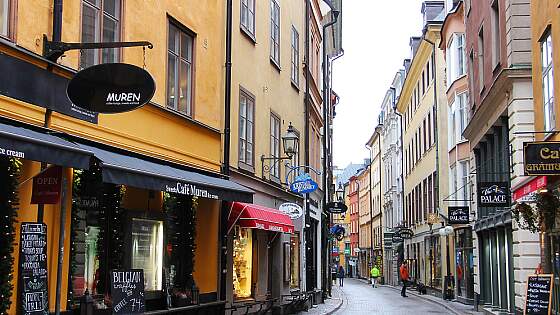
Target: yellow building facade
[
  {"x": 423, "y": 106},
  {"x": 178, "y": 130}
]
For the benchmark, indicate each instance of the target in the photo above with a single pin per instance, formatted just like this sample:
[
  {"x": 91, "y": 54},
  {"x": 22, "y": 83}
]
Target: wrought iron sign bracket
[
  {"x": 54, "y": 50},
  {"x": 275, "y": 160}
]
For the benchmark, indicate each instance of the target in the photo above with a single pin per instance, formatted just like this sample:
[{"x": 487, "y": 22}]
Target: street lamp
[
  {"x": 290, "y": 141},
  {"x": 448, "y": 290},
  {"x": 340, "y": 193}
]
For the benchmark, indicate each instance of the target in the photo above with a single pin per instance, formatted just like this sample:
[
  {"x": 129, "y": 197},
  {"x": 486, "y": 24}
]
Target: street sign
[
  {"x": 458, "y": 215},
  {"x": 293, "y": 210},
  {"x": 111, "y": 88},
  {"x": 336, "y": 207}
]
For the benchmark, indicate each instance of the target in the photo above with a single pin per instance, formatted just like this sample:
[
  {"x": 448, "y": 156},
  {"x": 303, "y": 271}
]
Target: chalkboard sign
[
  {"x": 539, "y": 294},
  {"x": 33, "y": 268},
  {"x": 127, "y": 291}
]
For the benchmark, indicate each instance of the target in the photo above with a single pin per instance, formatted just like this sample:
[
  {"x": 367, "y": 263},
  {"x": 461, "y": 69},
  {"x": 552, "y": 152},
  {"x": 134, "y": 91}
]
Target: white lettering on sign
[
  {"x": 190, "y": 189},
  {"x": 114, "y": 98},
  {"x": 13, "y": 153}
]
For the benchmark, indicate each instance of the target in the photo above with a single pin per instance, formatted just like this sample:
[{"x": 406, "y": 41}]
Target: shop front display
[
  {"x": 294, "y": 261},
  {"x": 464, "y": 262},
  {"x": 242, "y": 263}
]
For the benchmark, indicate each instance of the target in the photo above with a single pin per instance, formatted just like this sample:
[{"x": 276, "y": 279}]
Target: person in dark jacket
[{"x": 341, "y": 276}]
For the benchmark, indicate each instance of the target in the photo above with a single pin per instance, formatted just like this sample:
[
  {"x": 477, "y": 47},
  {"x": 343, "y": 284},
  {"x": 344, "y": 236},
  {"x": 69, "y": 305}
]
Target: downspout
[
  {"x": 380, "y": 190},
  {"x": 227, "y": 99},
  {"x": 225, "y": 164},
  {"x": 400, "y": 250},
  {"x": 306, "y": 102},
  {"x": 370, "y": 203}
]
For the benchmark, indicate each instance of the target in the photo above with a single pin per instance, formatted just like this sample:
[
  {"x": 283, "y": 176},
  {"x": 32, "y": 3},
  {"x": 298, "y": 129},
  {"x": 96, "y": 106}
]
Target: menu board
[
  {"x": 33, "y": 268},
  {"x": 539, "y": 294},
  {"x": 127, "y": 291}
]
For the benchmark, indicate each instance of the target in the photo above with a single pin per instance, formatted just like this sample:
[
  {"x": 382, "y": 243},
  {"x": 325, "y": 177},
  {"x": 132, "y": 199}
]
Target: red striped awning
[{"x": 258, "y": 217}]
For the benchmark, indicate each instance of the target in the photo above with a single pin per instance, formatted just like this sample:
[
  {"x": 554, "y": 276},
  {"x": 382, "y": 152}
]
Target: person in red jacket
[{"x": 404, "y": 277}]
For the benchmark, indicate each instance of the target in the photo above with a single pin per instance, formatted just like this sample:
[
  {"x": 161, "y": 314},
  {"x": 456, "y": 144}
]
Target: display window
[
  {"x": 242, "y": 263},
  {"x": 147, "y": 251},
  {"x": 464, "y": 261},
  {"x": 294, "y": 261}
]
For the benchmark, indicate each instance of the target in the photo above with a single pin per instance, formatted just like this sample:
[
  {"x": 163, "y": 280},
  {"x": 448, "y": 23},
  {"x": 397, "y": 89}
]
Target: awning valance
[
  {"x": 40, "y": 146},
  {"x": 119, "y": 168},
  {"x": 259, "y": 217}
]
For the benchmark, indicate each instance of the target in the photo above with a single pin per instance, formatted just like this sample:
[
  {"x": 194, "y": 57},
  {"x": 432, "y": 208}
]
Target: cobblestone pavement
[{"x": 360, "y": 298}]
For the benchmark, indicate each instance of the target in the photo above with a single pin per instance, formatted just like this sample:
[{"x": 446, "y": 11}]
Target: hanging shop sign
[
  {"x": 405, "y": 233},
  {"x": 396, "y": 238},
  {"x": 303, "y": 184},
  {"x": 293, "y": 210},
  {"x": 526, "y": 193},
  {"x": 33, "y": 268},
  {"x": 458, "y": 215},
  {"x": 46, "y": 186},
  {"x": 541, "y": 158},
  {"x": 493, "y": 194},
  {"x": 433, "y": 218},
  {"x": 388, "y": 239},
  {"x": 111, "y": 88},
  {"x": 127, "y": 291},
  {"x": 539, "y": 294},
  {"x": 336, "y": 207},
  {"x": 41, "y": 87}
]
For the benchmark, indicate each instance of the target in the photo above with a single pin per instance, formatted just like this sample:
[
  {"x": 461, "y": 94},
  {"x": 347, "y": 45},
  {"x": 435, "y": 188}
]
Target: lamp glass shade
[
  {"x": 290, "y": 141},
  {"x": 340, "y": 193}
]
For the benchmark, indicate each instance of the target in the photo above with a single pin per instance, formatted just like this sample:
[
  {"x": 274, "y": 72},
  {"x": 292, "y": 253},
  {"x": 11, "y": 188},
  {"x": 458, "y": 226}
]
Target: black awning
[
  {"x": 139, "y": 172},
  {"x": 40, "y": 146}
]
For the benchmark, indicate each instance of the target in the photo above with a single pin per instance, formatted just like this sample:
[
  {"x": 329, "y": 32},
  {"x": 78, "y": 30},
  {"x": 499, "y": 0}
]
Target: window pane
[
  {"x": 186, "y": 47},
  {"x": 242, "y": 150},
  {"x": 250, "y": 131},
  {"x": 250, "y": 110},
  {"x": 183, "y": 87},
  {"x": 147, "y": 251},
  {"x": 249, "y": 157},
  {"x": 172, "y": 40},
  {"x": 4, "y": 14},
  {"x": 244, "y": 13},
  {"x": 110, "y": 34},
  {"x": 171, "y": 69},
  {"x": 90, "y": 27},
  {"x": 112, "y": 7}
]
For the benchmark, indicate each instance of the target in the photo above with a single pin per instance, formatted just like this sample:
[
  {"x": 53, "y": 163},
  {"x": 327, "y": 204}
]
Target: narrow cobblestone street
[{"x": 360, "y": 298}]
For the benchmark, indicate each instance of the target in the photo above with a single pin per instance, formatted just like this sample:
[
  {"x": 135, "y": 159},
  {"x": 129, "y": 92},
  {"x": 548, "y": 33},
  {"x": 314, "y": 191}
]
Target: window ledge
[
  {"x": 246, "y": 168},
  {"x": 275, "y": 64},
  {"x": 184, "y": 116},
  {"x": 248, "y": 34},
  {"x": 295, "y": 85}
]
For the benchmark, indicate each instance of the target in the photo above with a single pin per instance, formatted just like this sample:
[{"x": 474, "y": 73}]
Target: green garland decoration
[
  {"x": 181, "y": 221},
  {"x": 526, "y": 217},
  {"x": 9, "y": 203}
]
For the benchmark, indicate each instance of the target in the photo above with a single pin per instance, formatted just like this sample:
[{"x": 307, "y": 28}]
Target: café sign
[
  {"x": 541, "y": 158},
  {"x": 303, "y": 184},
  {"x": 336, "y": 207},
  {"x": 111, "y": 88},
  {"x": 293, "y": 210},
  {"x": 493, "y": 194}
]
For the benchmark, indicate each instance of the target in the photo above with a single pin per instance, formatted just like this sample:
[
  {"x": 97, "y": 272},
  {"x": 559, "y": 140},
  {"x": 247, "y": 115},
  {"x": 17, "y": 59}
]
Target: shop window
[
  {"x": 147, "y": 251},
  {"x": 180, "y": 70},
  {"x": 243, "y": 263},
  {"x": 101, "y": 22},
  {"x": 91, "y": 264}
]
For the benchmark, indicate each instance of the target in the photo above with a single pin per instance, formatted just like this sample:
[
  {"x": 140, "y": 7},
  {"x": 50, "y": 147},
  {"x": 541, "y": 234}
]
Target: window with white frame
[
  {"x": 295, "y": 56},
  {"x": 453, "y": 185},
  {"x": 547, "y": 83},
  {"x": 461, "y": 115},
  {"x": 451, "y": 133},
  {"x": 248, "y": 16},
  {"x": 275, "y": 144},
  {"x": 455, "y": 57},
  {"x": 246, "y": 128},
  {"x": 275, "y": 31},
  {"x": 464, "y": 184},
  {"x": 4, "y": 17}
]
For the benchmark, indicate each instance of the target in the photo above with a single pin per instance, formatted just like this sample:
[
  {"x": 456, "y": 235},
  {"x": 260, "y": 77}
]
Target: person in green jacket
[{"x": 374, "y": 275}]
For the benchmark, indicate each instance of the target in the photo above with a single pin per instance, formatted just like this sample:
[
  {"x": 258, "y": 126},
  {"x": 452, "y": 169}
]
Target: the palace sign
[
  {"x": 458, "y": 215},
  {"x": 303, "y": 184},
  {"x": 493, "y": 194},
  {"x": 111, "y": 88},
  {"x": 541, "y": 158}
]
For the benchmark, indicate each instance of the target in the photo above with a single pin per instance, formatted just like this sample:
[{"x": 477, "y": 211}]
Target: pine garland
[{"x": 9, "y": 203}]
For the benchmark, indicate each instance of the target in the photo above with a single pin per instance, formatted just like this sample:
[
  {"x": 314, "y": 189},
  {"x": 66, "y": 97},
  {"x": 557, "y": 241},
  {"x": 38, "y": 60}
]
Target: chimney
[
  {"x": 432, "y": 11},
  {"x": 406, "y": 65},
  {"x": 414, "y": 44}
]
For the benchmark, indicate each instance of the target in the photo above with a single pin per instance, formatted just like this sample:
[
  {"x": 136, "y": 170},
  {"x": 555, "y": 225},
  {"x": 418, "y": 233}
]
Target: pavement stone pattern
[{"x": 359, "y": 297}]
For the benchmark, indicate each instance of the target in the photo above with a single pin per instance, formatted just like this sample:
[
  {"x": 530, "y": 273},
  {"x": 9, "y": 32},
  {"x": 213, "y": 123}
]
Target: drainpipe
[
  {"x": 306, "y": 102},
  {"x": 326, "y": 102},
  {"x": 370, "y": 202},
  {"x": 227, "y": 99},
  {"x": 401, "y": 136},
  {"x": 380, "y": 185}
]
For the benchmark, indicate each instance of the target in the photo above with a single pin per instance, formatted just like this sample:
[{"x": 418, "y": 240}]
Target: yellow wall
[
  {"x": 273, "y": 90},
  {"x": 206, "y": 255},
  {"x": 544, "y": 13},
  {"x": 152, "y": 129}
]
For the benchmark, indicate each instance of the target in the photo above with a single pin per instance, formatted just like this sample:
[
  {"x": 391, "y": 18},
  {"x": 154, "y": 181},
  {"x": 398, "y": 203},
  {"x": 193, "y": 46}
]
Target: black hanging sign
[
  {"x": 405, "y": 233},
  {"x": 127, "y": 291},
  {"x": 336, "y": 207},
  {"x": 541, "y": 158},
  {"x": 493, "y": 194},
  {"x": 111, "y": 88},
  {"x": 539, "y": 294},
  {"x": 458, "y": 215},
  {"x": 33, "y": 268}
]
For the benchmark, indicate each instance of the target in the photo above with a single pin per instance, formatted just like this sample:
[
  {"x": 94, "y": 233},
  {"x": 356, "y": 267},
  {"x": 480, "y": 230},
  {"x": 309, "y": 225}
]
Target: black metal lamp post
[
  {"x": 340, "y": 193},
  {"x": 290, "y": 142}
]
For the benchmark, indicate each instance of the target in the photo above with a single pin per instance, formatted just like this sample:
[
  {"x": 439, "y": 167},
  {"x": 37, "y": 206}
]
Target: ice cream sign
[{"x": 303, "y": 184}]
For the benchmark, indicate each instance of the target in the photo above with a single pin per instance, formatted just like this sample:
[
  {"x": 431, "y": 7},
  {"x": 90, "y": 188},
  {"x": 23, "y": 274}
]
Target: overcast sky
[{"x": 375, "y": 41}]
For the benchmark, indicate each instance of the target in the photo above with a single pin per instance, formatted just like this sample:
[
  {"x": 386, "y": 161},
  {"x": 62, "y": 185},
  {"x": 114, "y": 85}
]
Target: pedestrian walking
[
  {"x": 340, "y": 276},
  {"x": 374, "y": 275},
  {"x": 404, "y": 278}
]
